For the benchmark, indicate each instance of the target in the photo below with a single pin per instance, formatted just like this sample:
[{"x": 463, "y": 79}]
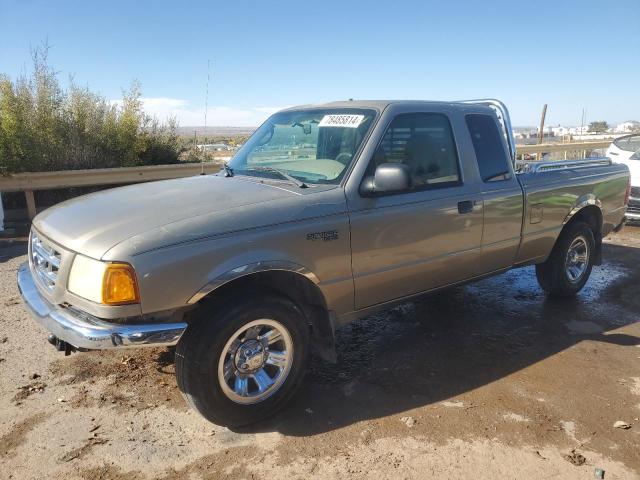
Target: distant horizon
[
  {"x": 515, "y": 127},
  {"x": 246, "y": 127},
  {"x": 156, "y": 108}
]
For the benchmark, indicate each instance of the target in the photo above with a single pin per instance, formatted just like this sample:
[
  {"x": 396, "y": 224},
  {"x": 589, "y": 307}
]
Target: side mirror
[{"x": 388, "y": 178}]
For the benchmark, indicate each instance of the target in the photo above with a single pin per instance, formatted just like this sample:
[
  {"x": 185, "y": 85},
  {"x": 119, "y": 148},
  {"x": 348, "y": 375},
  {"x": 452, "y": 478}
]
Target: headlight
[{"x": 102, "y": 282}]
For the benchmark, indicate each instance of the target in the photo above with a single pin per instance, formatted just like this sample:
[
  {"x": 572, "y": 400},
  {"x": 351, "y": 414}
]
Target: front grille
[
  {"x": 635, "y": 192},
  {"x": 45, "y": 261}
]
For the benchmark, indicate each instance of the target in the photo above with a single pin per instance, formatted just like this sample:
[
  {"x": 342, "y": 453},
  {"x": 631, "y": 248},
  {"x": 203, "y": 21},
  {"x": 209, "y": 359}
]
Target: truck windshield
[{"x": 313, "y": 146}]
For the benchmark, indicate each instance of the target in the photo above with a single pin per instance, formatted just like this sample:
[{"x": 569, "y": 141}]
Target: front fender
[{"x": 248, "y": 269}]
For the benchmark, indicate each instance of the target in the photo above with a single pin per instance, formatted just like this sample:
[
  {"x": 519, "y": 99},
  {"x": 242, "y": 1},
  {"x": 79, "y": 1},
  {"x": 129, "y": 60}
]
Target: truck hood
[{"x": 92, "y": 224}]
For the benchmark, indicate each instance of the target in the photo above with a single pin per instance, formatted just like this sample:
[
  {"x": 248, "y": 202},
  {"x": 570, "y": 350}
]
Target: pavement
[{"x": 490, "y": 380}]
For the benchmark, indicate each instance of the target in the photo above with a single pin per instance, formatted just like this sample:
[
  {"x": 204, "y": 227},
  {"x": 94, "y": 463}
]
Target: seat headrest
[
  {"x": 379, "y": 157},
  {"x": 419, "y": 142}
]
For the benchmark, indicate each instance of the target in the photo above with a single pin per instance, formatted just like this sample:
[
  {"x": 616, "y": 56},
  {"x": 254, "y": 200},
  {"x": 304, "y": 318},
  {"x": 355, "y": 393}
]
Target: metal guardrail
[
  {"x": 30, "y": 182},
  {"x": 561, "y": 147}
]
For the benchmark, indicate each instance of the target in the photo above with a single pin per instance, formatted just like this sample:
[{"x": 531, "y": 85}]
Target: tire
[
  {"x": 561, "y": 275},
  {"x": 202, "y": 374}
]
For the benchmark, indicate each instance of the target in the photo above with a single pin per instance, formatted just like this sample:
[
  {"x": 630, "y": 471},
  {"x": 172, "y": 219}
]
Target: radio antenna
[{"x": 206, "y": 108}]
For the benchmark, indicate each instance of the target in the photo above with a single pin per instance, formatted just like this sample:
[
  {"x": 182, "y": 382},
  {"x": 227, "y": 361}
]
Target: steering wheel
[{"x": 344, "y": 158}]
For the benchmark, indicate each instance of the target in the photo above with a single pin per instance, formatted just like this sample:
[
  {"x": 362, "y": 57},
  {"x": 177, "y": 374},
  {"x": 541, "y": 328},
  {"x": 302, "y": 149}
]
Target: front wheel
[
  {"x": 240, "y": 363},
  {"x": 569, "y": 266}
]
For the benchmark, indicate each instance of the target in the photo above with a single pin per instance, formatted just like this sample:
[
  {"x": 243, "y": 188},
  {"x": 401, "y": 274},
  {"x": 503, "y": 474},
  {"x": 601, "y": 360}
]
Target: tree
[
  {"x": 598, "y": 127},
  {"x": 46, "y": 127}
]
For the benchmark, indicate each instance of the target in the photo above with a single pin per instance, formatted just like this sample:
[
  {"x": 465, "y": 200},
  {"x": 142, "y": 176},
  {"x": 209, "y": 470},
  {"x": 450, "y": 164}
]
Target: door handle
[{"x": 466, "y": 206}]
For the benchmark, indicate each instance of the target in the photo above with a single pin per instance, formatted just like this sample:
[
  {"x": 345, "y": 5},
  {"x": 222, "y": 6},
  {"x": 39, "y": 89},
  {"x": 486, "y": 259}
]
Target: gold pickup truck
[{"x": 327, "y": 213}]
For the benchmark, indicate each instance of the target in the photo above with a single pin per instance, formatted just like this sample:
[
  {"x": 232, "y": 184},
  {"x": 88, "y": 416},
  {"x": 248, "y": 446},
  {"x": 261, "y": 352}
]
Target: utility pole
[{"x": 206, "y": 98}]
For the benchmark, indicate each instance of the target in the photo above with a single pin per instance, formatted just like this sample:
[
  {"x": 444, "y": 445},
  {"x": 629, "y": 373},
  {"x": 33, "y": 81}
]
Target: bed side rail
[{"x": 537, "y": 167}]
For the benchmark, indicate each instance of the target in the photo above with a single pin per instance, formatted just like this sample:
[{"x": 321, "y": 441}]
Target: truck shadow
[
  {"x": 10, "y": 249},
  {"x": 442, "y": 346}
]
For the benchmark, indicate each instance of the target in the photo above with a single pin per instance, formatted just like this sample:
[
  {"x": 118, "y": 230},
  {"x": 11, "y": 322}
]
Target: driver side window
[{"x": 424, "y": 142}]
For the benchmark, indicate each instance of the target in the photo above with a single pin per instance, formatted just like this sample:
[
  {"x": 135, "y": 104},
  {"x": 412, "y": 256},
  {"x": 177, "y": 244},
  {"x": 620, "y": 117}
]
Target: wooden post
[
  {"x": 1, "y": 214},
  {"x": 31, "y": 203},
  {"x": 541, "y": 132}
]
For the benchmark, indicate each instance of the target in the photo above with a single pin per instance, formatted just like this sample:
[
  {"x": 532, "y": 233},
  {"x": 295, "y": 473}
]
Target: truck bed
[{"x": 553, "y": 190}]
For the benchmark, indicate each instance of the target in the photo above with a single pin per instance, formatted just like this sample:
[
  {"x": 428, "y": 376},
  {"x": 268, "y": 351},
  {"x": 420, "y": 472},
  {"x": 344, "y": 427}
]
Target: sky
[{"x": 264, "y": 56}]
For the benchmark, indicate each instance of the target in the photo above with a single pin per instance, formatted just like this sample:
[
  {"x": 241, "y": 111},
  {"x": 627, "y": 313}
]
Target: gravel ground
[{"x": 491, "y": 380}]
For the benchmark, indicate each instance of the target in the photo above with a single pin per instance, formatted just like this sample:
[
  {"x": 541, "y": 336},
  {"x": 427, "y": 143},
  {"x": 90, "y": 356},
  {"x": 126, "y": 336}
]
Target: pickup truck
[{"x": 327, "y": 213}]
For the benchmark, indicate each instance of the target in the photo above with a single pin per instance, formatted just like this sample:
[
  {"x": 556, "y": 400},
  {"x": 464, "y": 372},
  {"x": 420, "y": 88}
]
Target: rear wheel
[
  {"x": 242, "y": 362},
  {"x": 569, "y": 266}
]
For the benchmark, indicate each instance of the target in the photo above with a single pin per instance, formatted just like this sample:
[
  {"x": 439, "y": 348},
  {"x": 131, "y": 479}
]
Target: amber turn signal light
[{"x": 119, "y": 286}]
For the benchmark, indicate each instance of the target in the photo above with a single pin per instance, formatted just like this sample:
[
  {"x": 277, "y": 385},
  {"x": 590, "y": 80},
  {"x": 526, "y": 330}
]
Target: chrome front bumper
[{"x": 85, "y": 331}]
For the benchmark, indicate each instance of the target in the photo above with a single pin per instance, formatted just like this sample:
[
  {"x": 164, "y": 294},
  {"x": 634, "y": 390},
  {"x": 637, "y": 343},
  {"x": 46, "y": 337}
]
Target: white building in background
[
  {"x": 557, "y": 131},
  {"x": 545, "y": 131},
  {"x": 214, "y": 147},
  {"x": 626, "y": 127},
  {"x": 519, "y": 134},
  {"x": 560, "y": 131}
]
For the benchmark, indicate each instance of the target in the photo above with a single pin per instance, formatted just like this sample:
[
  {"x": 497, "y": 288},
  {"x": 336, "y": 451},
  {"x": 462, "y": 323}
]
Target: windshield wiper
[
  {"x": 282, "y": 173},
  {"x": 228, "y": 171}
]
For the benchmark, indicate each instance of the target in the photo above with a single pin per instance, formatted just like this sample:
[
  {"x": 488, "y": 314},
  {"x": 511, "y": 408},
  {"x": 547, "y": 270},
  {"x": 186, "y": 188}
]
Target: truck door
[
  {"x": 501, "y": 194},
  {"x": 428, "y": 236}
]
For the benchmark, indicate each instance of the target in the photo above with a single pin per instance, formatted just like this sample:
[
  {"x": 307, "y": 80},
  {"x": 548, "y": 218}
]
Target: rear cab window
[{"x": 487, "y": 143}]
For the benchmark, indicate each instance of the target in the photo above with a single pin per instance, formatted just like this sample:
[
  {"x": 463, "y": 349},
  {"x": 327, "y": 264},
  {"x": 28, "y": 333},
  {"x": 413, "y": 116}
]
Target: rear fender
[
  {"x": 582, "y": 202},
  {"x": 589, "y": 209}
]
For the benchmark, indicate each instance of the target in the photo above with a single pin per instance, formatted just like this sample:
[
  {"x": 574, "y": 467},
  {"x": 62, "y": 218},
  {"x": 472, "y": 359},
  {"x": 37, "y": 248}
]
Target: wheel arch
[
  {"x": 288, "y": 279},
  {"x": 588, "y": 210}
]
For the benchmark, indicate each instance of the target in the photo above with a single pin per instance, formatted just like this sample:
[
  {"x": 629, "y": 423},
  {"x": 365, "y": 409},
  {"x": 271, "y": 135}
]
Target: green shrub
[{"x": 44, "y": 127}]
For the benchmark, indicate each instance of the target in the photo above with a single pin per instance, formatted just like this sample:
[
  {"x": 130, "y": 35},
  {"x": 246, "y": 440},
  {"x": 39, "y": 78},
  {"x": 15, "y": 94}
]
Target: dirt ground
[{"x": 492, "y": 380}]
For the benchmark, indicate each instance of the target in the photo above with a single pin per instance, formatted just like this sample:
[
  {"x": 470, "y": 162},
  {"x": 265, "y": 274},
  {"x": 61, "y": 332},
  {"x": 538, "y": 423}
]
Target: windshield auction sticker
[{"x": 348, "y": 121}]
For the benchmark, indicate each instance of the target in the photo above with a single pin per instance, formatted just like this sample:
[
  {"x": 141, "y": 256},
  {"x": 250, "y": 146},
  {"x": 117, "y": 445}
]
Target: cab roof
[{"x": 379, "y": 104}]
